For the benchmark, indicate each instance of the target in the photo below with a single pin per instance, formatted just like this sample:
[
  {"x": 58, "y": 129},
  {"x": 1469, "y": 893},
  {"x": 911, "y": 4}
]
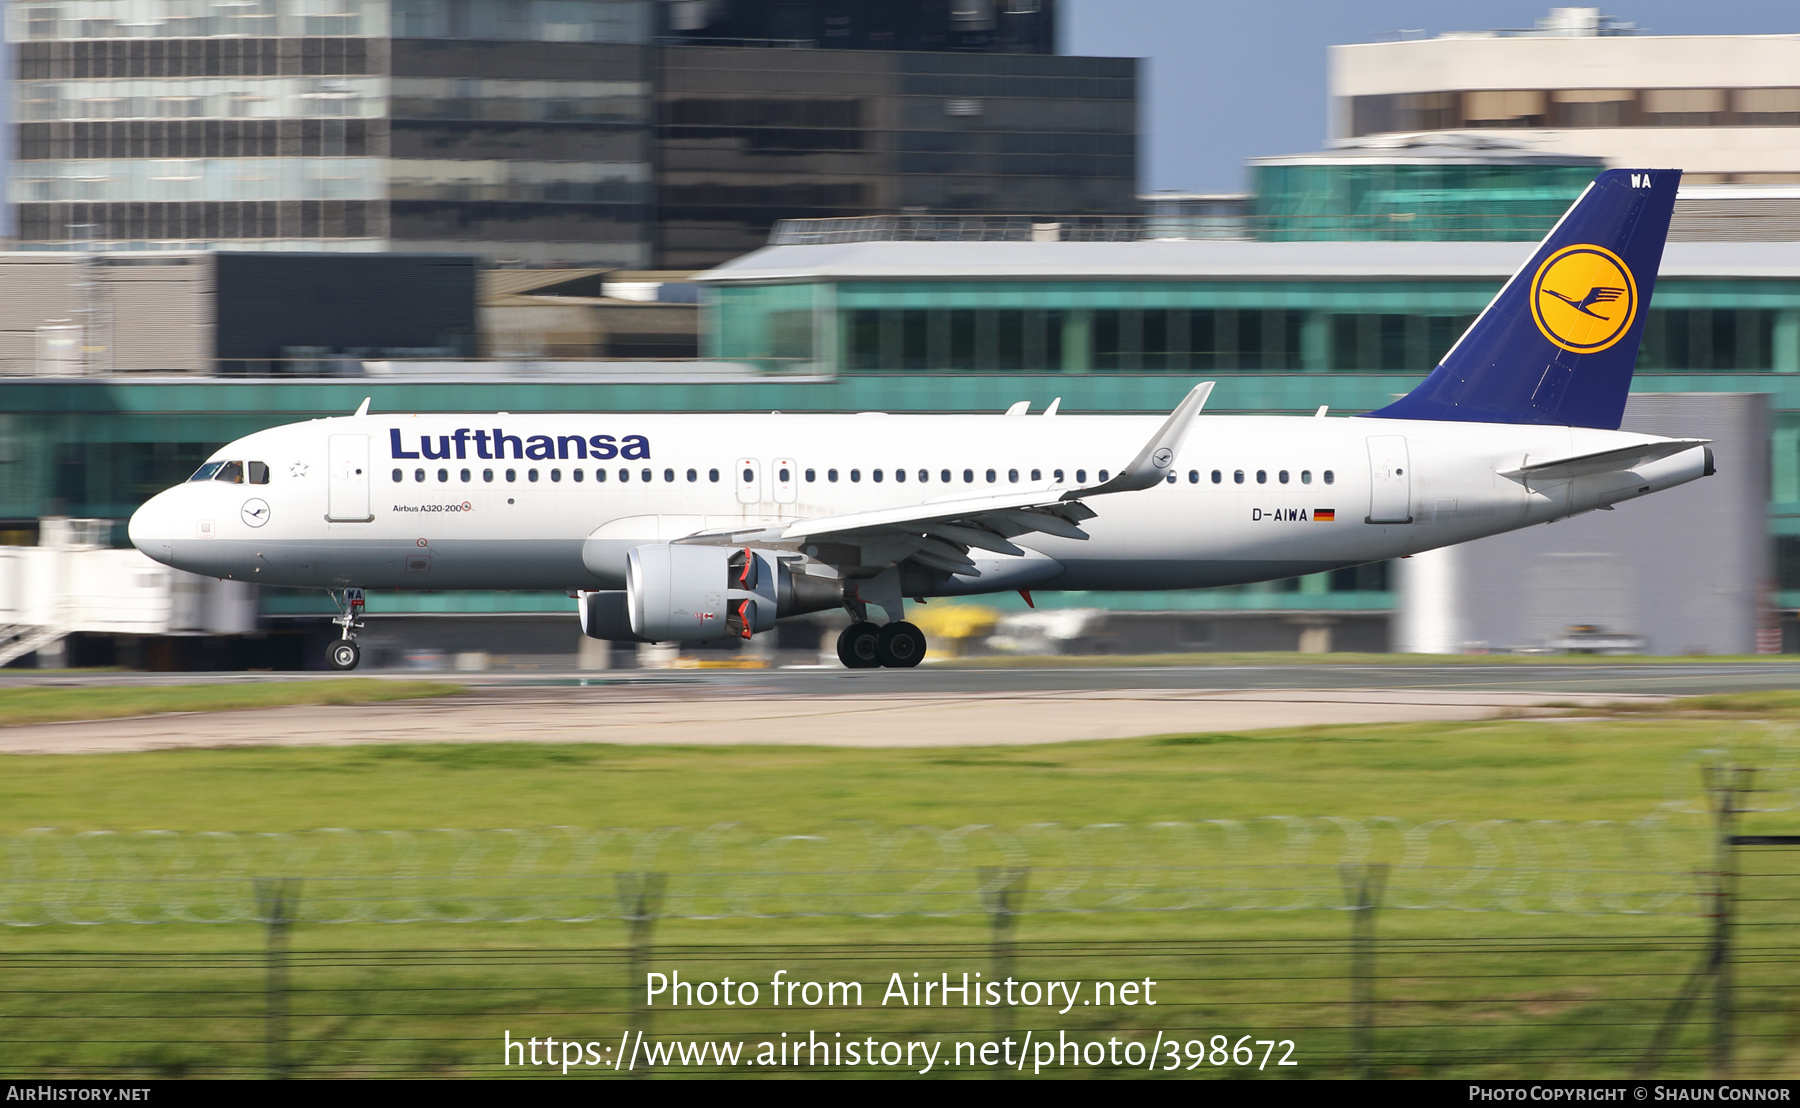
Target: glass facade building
[
  {"x": 512, "y": 130},
  {"x": 1109, "y": 326},
  {"x": 977, "y": 26},
  {"x": 526, "y": 131},
  {"x": 1439, "y": 188},
  {"x": 746, "y": 137}
]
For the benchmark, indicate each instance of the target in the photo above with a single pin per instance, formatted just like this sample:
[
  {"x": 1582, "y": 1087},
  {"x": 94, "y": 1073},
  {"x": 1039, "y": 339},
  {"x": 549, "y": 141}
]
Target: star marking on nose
[{"x": 298, "y": 469}]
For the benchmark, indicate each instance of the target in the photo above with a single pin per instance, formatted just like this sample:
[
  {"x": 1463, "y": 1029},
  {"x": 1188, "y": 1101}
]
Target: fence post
[
  {"x": 640, "y": 902},
  {"x": 1724, "y": 784},
  {"x": 1363, "y": 886},
  {"x": 276, "y": 902},
  {"x": 1003, "y": 896}
]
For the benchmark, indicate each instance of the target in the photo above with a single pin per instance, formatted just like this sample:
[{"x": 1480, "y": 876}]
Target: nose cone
[{"x": 152, "y": 528}]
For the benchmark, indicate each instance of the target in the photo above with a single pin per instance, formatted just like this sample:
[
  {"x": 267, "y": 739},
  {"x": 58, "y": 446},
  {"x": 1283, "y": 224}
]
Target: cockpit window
[
  {"x": 205, "y": 472},
  {"x": 230, "y": 471},
  {"x": 259, "y": 472}
]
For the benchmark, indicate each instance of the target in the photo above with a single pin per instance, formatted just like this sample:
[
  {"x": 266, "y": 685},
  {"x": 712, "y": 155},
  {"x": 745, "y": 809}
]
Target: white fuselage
[{"x": 1315, "y": 494}]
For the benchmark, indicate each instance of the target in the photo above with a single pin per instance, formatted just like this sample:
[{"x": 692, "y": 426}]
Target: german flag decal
[{"x": 1324, "y": 515}]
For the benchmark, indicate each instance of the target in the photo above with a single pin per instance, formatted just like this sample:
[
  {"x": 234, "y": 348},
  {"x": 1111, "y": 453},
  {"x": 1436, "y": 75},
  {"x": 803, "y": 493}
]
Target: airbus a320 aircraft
[{"x": 685, "y": 528}]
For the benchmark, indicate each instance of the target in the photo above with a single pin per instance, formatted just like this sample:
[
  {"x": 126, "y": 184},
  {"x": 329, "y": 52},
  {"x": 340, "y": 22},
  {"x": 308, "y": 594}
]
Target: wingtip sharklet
[{"x": 1157, "y": 457}]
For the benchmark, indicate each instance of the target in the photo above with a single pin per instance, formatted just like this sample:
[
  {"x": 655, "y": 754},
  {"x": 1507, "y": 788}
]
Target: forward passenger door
[{"x": 347, "y": 499}]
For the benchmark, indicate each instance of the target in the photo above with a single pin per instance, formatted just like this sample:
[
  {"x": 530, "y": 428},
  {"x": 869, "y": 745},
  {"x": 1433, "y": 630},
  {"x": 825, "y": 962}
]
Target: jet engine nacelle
[{"x": 681, "y": 593}]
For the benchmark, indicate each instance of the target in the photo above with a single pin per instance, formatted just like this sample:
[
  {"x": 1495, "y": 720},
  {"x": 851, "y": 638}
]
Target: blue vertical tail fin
[{"x": 1558, "y": 344}]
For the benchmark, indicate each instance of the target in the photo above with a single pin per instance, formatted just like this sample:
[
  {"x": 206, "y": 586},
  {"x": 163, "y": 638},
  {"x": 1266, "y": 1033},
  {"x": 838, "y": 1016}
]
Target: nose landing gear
[{"x": 344, "y": 653}]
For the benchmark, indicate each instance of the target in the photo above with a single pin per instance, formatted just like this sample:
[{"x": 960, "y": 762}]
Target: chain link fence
[
  {"x": 1653, "y": 948},
  {"x": 567, "y": 873}
]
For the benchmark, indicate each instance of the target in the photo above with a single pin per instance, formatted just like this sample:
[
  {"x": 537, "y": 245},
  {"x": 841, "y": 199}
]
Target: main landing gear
[
  {"x": 898, "y": 645},
  {"x": 344, "y": 653}
]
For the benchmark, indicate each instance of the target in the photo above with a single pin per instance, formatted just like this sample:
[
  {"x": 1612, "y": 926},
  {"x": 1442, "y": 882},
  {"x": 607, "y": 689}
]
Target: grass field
[
  {"x": 1464, "y": 993},
  {"x": 1604, "y": 767},
  {"x": 57, "y": 705}
]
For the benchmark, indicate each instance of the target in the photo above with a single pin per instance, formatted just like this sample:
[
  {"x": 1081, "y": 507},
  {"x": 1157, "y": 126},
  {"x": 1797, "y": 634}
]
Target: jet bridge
[{"x": 73, "y": 582}]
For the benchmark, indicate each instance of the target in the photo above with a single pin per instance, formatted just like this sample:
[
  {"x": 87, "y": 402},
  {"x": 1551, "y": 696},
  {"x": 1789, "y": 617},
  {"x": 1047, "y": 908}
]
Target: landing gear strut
[
  {"x": 344, "y": 653},
  {"x": 899, "y": 645}
]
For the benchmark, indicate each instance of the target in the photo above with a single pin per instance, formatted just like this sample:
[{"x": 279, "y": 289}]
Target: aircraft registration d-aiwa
[{"x": 687, "y": 528}]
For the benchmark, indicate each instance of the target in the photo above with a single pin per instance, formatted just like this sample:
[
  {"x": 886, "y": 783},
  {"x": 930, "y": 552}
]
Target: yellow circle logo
[{"x": 1583, "y": 298}]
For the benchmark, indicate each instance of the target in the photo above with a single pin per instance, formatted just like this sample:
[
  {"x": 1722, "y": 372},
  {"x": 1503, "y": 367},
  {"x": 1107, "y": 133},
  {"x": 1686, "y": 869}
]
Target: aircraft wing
[
  {"x": 939, "y": 534},
  {"x": 1603, "y": 461}
]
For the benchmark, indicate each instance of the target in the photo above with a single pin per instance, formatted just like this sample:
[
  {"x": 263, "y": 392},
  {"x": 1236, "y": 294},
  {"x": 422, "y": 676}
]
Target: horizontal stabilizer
[{"x": 1603, "y": 461}]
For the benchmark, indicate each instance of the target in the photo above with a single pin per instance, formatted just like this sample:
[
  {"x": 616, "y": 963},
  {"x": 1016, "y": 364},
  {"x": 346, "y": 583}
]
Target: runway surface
[
  {"x": 1651, "y": 678},
  {"x": 918, "y": 708}
]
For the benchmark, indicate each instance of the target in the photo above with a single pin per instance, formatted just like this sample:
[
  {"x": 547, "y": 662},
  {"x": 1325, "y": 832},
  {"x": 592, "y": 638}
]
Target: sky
[{"x": 1223, "y": 82}]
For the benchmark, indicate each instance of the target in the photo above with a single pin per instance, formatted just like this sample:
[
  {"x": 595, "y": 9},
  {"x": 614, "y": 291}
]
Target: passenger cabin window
[
  {"x": 1329, "y": 477},
  {"x": 205, "y": 472},
  {"x": 418, "y": 475},
  {"x": 1217, "y": 476},
  {"x": 259, "y": 472}
]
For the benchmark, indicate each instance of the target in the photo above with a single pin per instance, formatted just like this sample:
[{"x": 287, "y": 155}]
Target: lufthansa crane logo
[{"x": 1584, "y": 298}]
